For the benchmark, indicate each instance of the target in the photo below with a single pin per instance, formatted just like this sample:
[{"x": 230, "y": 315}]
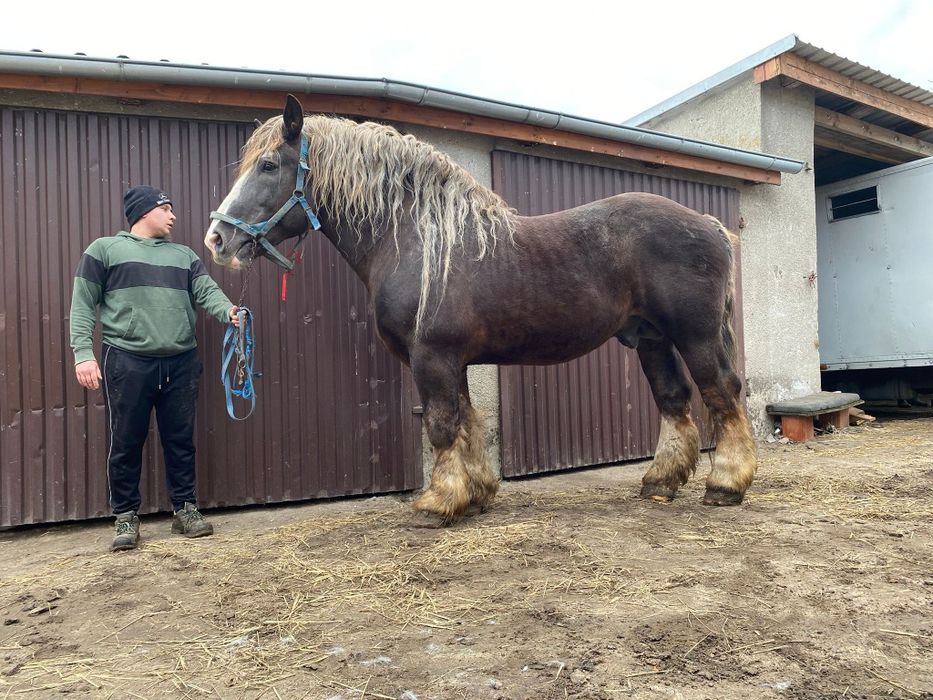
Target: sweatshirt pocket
[{"x": 160, "y": 329}]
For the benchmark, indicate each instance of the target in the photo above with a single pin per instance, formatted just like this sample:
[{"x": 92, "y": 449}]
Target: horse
[{"x": 456, "y": 277}]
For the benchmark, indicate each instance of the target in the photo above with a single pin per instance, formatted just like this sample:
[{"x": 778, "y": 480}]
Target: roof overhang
[
  {"x": 381, "y": 99},
  {"x": 818, "y": 76},
  {"x": 859, "y": 111},
  {"x": 861, "y": 129}
]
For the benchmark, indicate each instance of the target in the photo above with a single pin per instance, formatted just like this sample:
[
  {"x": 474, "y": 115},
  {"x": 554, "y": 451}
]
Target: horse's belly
[{"x": 518, "y": 347}]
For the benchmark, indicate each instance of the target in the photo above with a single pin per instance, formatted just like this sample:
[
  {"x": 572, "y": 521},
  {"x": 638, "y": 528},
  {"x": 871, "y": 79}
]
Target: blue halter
[{"x": 258, "y": 231}]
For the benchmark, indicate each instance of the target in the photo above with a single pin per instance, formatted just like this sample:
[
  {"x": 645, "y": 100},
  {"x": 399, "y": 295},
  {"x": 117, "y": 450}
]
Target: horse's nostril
[{"x": 214, "y": 241}]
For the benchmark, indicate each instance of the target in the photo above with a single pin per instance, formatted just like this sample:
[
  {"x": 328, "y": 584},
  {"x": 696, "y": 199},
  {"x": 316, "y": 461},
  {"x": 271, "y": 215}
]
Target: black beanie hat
[{"x": 141, "y": 200}]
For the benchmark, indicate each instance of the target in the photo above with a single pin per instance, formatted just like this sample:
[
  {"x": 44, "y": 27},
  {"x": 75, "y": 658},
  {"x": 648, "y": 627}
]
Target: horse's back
[
  {"x": 575, "y": 278},
  {"x": 630, "y": 229}
]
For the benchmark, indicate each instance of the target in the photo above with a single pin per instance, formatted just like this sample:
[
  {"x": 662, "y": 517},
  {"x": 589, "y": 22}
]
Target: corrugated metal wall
[
  {"x": 597, "y": 409},
  {"x": 334, "y": 414}
]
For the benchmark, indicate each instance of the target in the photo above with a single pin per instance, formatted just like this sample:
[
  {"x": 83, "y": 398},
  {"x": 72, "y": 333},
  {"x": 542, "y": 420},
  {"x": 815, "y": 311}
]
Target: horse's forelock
[{"x": 266, "y": 139}]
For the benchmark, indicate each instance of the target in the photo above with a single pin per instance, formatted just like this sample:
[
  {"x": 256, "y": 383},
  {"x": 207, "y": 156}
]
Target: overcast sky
[{"x": 600, "y": 60}]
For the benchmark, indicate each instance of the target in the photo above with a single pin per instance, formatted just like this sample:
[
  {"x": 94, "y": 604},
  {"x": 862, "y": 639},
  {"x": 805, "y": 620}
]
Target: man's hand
[
  {"x": 88, "y": 374},
  {"x": 234, "y": 319}
]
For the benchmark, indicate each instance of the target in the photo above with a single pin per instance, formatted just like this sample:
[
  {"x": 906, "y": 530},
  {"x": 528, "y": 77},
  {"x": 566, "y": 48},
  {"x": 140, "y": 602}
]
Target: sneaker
[
  {"x": 127, "y": 532},
  {"x": 189, "y": 522}
]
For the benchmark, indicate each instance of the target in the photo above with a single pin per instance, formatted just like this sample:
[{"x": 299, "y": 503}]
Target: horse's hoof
[
  {"x": 722, "y": 497},
  {"x": 431, "y": 521},
  {"x": 657, "y": 492},
  {"x": 476, "y": 509}
]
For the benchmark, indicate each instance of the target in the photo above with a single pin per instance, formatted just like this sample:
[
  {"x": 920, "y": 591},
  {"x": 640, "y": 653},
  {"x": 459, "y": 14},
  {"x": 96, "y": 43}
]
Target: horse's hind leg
[
  {"x": 734, "y": 462},
  {"x": 678, "y": 450}
]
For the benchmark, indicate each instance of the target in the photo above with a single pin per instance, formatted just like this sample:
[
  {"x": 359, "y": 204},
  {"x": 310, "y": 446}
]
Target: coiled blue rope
[{"x": 238, "y": 342}]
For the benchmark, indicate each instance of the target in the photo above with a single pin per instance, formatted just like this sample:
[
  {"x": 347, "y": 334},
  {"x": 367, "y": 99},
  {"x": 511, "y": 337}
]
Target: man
[{"x": 145, "y": 287}]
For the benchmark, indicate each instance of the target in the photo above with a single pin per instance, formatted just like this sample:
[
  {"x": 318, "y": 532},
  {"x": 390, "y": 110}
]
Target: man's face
[{"x": 159, "y": 221}]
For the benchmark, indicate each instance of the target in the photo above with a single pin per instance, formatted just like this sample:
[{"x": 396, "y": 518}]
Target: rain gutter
[{"x": 119, "y": 69}]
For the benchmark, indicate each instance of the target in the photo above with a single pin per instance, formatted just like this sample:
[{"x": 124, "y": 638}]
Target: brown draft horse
[{"x": 457, "y": 278}]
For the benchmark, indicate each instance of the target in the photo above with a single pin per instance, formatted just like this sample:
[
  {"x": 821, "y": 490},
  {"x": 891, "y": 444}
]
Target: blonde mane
[{"x": 362, "y": 173}]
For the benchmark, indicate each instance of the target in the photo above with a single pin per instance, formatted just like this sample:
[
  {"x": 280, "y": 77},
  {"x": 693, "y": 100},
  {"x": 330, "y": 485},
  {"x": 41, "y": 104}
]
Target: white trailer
[{"x": 874, "y": 263}]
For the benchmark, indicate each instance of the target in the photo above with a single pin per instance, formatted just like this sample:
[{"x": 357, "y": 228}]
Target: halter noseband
[{"x": 258, "y": 231}]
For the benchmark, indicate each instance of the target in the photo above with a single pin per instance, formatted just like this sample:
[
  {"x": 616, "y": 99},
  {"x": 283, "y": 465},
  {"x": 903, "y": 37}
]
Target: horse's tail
[
  {"x": 730, "y": 240},
  {"x": 728, "y": 335}
]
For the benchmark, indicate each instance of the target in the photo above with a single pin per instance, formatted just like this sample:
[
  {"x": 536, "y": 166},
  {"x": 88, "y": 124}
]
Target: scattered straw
[
  {"x": 262, "y": 611},
  {"x": 896, "y": 685}
]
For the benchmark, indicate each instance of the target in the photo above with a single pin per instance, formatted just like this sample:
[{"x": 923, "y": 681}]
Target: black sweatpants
[{"x": 133, "y": 386}]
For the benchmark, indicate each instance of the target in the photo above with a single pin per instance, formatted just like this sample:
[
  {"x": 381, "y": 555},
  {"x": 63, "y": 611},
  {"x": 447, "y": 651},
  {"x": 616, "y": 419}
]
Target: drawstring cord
[{"x": 168, "y": 379}]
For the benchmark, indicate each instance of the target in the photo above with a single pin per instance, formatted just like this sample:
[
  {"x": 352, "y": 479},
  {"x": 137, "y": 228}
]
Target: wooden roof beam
[
  {"x": 389, "y": 110},
  {"x": 872, "y": 133},
  {"x": 815, "y": 75},
  {"x": 847, "y": 145}
]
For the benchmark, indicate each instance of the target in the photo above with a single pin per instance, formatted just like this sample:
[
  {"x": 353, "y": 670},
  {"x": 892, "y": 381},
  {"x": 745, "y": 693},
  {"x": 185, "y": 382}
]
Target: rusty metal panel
[
  {"x": 334, "y": 415},
  {"x": 597, "y": 409}
]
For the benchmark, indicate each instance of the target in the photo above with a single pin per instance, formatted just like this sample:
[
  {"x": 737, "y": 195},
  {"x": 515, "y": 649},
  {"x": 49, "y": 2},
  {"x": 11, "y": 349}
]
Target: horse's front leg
[
  {"x": 483, "y": 481},
  {"x": 438, "y": 380}
]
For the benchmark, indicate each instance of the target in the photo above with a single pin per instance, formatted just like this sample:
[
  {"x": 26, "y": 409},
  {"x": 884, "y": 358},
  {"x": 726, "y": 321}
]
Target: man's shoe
[
  {"x": 189, "y": 522},
  {"x": 127, "y": 532}
]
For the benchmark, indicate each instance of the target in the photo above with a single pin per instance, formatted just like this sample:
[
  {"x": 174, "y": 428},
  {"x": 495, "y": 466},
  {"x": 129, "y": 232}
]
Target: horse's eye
[{"x": 268, "y": 166}]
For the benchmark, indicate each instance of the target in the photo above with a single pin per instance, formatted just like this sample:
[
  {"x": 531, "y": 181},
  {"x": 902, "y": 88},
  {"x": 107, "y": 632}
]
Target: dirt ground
[{"x": 819, "y": 586}]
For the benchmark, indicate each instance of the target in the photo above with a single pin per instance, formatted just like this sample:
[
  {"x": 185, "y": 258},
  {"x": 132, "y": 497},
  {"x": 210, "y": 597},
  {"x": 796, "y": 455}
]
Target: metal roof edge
[
  {"x": 720, "y": 79},
  {"x": 37, "y": 63}
]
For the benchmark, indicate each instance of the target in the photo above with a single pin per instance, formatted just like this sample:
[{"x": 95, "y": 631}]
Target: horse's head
[{"x": 267, "y": 203}]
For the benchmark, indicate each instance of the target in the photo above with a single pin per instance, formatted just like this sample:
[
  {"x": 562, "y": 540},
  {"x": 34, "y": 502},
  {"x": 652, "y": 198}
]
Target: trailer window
[{"x": 855, "y": 203}]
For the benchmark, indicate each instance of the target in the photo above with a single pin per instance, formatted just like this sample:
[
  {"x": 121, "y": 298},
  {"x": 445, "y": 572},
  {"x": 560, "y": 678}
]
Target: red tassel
[{"x": 296, "y": 256}]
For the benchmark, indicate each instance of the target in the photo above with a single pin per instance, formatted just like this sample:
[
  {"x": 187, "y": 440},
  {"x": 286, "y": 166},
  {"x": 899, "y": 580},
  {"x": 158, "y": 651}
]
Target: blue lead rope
[{"x": 239, "y": 342}]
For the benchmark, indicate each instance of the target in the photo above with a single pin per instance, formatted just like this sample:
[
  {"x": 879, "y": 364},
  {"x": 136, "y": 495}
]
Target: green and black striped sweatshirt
[{"x": 146, "y": 289}]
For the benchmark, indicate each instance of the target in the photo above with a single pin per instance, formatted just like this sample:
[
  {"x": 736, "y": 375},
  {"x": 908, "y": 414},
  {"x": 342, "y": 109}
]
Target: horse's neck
[{"x": 356, "y": 246}]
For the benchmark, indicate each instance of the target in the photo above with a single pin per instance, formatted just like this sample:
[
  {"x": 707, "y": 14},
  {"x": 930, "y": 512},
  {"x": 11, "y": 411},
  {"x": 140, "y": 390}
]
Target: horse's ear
[{"x": 292, "y": 119}]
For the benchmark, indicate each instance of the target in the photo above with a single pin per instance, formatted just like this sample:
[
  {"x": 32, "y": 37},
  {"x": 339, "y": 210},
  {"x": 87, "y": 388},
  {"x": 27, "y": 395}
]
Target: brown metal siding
[
  {"x": 597, "y": 409},
  {"x": 334, "y": 415}
]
